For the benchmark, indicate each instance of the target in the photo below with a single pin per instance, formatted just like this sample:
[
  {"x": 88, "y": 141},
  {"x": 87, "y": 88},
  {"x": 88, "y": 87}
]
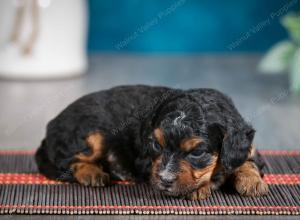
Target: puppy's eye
[
  {"x": 156, "y": 146},
  {"x": 196, "y": 154}
]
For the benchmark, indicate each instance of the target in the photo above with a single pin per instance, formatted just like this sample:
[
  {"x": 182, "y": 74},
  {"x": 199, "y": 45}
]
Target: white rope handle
[{"x": 18, "y": 23}]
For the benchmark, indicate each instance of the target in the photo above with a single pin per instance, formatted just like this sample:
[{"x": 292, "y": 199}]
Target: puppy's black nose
[{"x": 167, "y": 179}]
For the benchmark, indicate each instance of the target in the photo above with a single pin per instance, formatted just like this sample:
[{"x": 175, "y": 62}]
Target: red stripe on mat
[
  {"x": 16, "y": 152},
  {"x": 147, "y": 207},
  {"x": 279, "y": 152},
  {"x": 24, "y": 178},
  {"x": 263, "y": 152},
  {"x": 35, "y": 179}
]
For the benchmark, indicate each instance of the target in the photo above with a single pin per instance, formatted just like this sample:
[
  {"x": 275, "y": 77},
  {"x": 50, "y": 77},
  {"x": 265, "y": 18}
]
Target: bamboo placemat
[{"x": 24, "y": 191}]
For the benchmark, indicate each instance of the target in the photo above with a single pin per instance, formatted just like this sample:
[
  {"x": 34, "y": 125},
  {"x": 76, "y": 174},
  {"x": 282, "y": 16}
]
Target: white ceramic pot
[{"x": 42, "y": 38}]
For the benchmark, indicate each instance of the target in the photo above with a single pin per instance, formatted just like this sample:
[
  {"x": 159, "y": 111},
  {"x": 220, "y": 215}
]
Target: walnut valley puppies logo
[
  {"x": 265, "y": 108},
  {"x": 150, "y": 24},
  {"x": 262, "y": 24}
]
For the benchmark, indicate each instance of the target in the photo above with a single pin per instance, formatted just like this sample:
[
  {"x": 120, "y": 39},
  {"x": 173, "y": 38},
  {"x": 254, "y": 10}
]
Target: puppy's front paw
[
  {"x": 201, "y": 193},
  {"x": 91, "y": 175},
  {"x": 251, "y": 185}
]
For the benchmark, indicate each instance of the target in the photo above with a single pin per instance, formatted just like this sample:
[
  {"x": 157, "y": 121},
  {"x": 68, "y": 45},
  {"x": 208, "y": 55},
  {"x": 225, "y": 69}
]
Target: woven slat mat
[{"x": 24, "y": 191}]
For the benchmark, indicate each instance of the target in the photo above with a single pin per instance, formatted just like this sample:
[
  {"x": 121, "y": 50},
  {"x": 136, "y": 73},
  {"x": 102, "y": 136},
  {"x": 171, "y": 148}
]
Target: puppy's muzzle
[
  {"x": 166, "y": 175},
  {"x": 166, "y": 179}
]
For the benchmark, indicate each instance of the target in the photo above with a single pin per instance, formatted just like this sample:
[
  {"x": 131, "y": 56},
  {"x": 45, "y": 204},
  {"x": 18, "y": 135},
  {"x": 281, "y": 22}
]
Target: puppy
[{"x": 185, "y": 143}]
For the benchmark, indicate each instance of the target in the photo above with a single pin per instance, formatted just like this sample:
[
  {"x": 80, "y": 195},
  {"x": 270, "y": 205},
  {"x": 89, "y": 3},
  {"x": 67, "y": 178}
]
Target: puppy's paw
[
  {"x": 251, "y": 185},
  {"x": 201, "y": 193},
  {"x": 94, "y": 179},
  {"x": 91, "y": 175}
]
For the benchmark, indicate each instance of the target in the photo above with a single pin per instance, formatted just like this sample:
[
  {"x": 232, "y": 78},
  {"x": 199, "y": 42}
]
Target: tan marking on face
[
  {"x": 189, "y": 144},
  {"x": 248, "y": 181},
  {"x": 206, "y": 173},
  {"x": 155, "y": 165},
  {"x": 159, "y": 136},
  {"x": 190, "y": 176},
  {"x": 96, "y": 142}
]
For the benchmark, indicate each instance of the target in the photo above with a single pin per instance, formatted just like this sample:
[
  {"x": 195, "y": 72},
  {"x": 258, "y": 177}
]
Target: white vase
[{"x": 42, "y": 38}]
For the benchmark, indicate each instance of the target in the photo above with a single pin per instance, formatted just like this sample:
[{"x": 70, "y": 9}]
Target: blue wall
[{"x": 186, "y": 25}]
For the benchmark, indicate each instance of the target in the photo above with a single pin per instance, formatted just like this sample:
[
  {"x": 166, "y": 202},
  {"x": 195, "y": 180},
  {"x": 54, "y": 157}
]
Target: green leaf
[
  {"x": 295, "y": 73},
  {"x": 278, "y": 59},
  {"x": 291, "y": 22}
]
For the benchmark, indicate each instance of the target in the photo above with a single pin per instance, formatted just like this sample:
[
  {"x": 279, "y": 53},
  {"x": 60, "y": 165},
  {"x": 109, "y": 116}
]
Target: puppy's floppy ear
[{"x": 235, "y": 148}]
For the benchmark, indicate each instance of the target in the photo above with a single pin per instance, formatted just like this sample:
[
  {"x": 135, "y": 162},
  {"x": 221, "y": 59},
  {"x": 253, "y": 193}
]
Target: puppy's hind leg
[
  {"x": 89, "y": 174},
  {"x": 87, "y": 169}
]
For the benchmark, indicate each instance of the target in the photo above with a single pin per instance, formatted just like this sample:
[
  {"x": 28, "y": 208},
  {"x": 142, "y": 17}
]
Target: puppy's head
[{"x": 182, "y": 160}]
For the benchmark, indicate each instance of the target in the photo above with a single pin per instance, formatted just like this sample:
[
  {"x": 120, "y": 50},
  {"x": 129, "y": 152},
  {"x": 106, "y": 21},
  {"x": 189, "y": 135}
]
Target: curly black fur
[{"x": 127, "y": 116}]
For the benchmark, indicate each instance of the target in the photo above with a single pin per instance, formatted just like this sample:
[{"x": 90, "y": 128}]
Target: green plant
[{"x": 284, "y": 57}]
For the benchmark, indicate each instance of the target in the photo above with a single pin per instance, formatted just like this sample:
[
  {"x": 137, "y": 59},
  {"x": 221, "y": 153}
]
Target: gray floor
[{"x": 263, "y": 99}]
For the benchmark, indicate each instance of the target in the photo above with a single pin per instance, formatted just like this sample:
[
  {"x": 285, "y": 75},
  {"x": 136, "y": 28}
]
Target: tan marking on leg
[
  {"x": 86, "y": 170},
  {"x": 248, "y": 182},
  {"x": 95, "y": 142},
  {"x": 89, "y": 174}
]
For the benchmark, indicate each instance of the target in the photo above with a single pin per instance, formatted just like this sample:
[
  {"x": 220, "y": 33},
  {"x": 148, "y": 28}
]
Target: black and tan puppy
[{"x": 185, "y": 143}]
